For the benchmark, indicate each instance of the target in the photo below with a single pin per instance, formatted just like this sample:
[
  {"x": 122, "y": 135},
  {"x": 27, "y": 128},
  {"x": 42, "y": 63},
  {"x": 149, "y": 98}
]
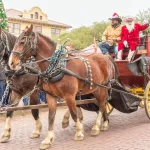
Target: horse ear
[
  {"x": 26, "y": 28},
  {"x": 29, "y": 30}
]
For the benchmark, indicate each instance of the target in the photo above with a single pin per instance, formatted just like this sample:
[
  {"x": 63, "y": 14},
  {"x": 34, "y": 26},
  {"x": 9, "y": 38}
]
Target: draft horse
[
  {"x": 20, "y": 86},
  {"x": 102, "y": 70}
]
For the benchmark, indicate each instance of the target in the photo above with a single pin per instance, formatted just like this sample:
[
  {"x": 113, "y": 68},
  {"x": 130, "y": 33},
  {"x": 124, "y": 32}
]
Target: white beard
[{"x": 130, "y": 27}]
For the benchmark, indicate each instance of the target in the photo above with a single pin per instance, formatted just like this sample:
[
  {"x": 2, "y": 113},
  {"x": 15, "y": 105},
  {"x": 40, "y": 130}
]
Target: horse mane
[
  {"x": 11, "y": 38},
  {"x": 48, "y": 40}
]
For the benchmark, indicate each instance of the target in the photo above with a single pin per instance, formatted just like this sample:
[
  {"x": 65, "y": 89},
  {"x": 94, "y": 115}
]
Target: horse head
[
  {"x": 7, "y": 42},
  {"x": 30, "y": 44}
]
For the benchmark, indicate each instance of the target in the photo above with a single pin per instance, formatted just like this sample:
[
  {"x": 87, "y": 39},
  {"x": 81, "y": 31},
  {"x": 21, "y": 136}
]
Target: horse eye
[{"x": 21, "y": 43}]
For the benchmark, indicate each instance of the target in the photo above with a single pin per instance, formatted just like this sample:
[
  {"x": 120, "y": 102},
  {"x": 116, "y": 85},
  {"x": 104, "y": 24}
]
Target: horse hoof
[
  {"x": 79, "y": 136},
  {"x": 104, "y": 128},
  {"x": 34, "y": 135},
  {"x": 44, "y": 146},
  {"x": 5, "y": 139},
  {"x": 65, "y": 125},
  {"x": 95, "y": 132}
]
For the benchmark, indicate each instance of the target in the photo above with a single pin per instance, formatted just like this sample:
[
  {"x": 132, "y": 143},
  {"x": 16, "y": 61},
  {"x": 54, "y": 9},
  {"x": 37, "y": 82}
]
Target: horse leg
[
  {"x": 65, "y": 122},
  {"x": 100, "y": 95},
  {"x": 35, "y": 114},
  {"x": 105, "y": 124},
  {"x": 38, "y": 124},
  {"x": 7, "y": 131},
  {"x": 52, "y": 105},
  {"x": 70, "y": 100}
]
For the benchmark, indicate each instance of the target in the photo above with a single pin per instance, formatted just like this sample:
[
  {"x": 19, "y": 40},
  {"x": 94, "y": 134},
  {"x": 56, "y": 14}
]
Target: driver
[{"x": 111, "y": 36}]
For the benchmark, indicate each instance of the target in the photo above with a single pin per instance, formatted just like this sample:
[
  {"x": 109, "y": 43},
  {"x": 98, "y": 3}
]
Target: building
[{"x": 18, "y": 20}]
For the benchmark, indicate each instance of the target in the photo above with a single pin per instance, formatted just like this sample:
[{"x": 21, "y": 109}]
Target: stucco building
[{"x": 18, "y": 20}]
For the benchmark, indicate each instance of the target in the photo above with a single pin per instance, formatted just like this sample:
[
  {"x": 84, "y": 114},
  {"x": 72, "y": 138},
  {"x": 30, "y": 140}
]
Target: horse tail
[{"x": 115, "y": 67}]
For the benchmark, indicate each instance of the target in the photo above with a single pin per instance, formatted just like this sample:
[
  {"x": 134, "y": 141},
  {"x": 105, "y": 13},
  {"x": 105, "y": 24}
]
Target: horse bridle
[{"x": 28, "y": 41}]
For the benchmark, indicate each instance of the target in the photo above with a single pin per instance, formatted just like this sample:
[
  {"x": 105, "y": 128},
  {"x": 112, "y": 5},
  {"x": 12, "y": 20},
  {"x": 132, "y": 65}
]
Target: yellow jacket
[{"x": 112, "y": 33}]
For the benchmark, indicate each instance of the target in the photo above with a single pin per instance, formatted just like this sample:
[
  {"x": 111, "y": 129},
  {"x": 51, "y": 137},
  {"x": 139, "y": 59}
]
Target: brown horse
[
  {"x": 20, "y": 86},
  {"x": 101, "y": 70}
]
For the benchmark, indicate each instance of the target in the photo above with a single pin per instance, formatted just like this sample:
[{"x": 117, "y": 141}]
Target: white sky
[{"x": 81, "y": 12}]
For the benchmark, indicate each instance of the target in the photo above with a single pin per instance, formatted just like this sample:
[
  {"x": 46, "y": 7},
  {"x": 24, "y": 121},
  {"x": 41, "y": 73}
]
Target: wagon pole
[{"x": 78, "y": 102}]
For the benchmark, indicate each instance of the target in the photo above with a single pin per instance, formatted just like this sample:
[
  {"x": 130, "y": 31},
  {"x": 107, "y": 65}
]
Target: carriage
[
  {"x": 131, "y": 76},
  {"x": 123, "y": 92}
]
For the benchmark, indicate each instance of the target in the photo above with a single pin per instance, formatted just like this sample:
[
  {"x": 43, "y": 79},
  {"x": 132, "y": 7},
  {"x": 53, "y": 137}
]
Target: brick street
[{"x": 126, "y": 132}]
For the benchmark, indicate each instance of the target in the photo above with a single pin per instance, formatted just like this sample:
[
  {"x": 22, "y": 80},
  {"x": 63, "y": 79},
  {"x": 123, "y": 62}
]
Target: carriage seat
[{"x": 141, "y": 48}]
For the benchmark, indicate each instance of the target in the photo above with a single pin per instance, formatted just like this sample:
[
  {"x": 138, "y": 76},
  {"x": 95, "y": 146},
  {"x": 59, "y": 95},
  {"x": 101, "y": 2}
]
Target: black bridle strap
[{"x": 32, "y": 48}]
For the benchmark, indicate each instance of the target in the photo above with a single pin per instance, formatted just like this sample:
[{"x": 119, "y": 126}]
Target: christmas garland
[{"x": 3, "y": 17}]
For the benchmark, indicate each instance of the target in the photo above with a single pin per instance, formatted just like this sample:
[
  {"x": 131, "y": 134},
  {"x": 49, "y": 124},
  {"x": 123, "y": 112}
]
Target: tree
[
  {"x": 84, "y": 36},
  {"x": 144, "y": 17},
  {"x": 3, "y": 17},
  {"x": 98, "y": 28}
]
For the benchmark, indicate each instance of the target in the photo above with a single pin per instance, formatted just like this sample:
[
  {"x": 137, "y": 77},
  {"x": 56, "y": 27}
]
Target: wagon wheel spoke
[{"x": 147, "y": 99}]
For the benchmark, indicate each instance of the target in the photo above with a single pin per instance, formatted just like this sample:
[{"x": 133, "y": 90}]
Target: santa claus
[{"x": 130, "y": 37}]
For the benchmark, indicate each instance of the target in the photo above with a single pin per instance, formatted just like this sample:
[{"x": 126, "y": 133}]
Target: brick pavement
[{"x": 126, "y": 132}]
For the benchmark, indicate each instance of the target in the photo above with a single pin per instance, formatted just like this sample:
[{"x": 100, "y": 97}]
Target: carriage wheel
[
  {"x": 109, "y": 109},
  {"x": 147, "y": 100}
]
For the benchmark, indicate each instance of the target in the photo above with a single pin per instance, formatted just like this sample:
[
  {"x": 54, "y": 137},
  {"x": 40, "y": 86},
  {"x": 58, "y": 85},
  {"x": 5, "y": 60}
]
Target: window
[
  {"x": 40, "y": 17},
  {"x": 14, "y": 28},
  {"x": 55, "y": 32},
  {"x": 36, "y": 15},
  {"x": 37, "y": 29},
  {"x": 58, "y": 32},
  {"x": 31, "y": 16}
]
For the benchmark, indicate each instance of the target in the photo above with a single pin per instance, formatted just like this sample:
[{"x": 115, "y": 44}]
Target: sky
[{"x": 80, "y": 12}]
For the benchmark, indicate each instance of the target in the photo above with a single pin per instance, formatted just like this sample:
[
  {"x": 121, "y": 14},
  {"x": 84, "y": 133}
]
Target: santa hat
[
  {"x": 115, "y": 16},
  {"x": 129, "y": 18}
]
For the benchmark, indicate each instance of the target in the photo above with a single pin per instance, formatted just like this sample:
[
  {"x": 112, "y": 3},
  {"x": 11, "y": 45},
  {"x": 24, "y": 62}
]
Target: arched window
[
  {"x": 31, "y": 16},
  {"x": 36, "y": 15},
  {"x": 40, "y": 17}
]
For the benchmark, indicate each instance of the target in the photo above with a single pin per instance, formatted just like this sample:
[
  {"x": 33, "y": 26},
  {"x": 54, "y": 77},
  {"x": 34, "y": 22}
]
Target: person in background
[
  {"x": 130, "y": 37},
  {"x": 2, "y": 82},
  {"x": 111, "y": 36}
]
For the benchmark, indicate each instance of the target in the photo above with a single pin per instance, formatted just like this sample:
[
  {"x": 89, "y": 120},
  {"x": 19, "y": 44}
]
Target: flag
[
  {"x": 95, "y": 45},
  {"x": 70, "y": 45}
]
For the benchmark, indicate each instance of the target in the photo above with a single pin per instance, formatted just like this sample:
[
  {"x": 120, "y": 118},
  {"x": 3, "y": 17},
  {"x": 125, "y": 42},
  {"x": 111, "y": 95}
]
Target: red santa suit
[{"x": 132, "y": 37}]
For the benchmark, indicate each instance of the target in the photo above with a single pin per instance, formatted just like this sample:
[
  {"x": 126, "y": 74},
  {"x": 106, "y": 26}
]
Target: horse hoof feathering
[
  {"x": 105, "y": 126},
  {"x": 65, "y": 124},
  {"x": 5, "y": 136},
  {"x": 37, "y": 131},
  {"x": 95, "y": 132},
  {"x": 48, "y": 141},
  {"x": 79, "y": 136}
]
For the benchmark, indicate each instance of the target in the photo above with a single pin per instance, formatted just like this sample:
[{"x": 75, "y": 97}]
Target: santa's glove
[
  {"x": 125, "y": 43},
  {"x": 147, "y": 24}
]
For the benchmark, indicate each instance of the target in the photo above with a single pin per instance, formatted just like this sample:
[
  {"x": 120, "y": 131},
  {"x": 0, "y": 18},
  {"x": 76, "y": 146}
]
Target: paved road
[{"x": 127, "y": 132}]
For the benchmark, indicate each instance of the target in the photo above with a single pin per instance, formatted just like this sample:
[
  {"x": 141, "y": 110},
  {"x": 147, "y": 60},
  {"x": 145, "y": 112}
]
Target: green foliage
[
  {"x": 144, "y": 17},
  {"x": 3, "y": 17},
  {"x": 84, "y": 36}
]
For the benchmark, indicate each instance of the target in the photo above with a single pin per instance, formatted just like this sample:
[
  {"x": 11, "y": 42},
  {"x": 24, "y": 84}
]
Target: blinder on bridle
[{"x": 28, "y": 41}]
